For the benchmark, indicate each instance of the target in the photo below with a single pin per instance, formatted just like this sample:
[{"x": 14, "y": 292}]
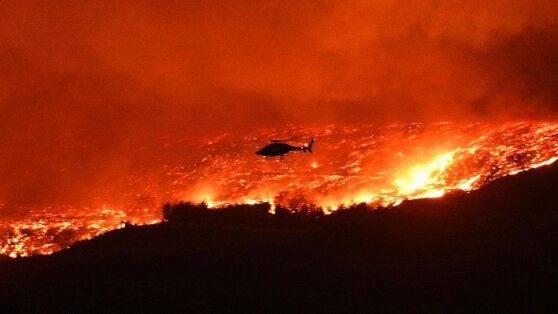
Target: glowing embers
[
  {"x": 377, "y": 165},
  {"x": 49, "y": 229}
]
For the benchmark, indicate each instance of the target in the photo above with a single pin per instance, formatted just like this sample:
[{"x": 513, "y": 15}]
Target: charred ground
[{"x": 494, "y": 249}]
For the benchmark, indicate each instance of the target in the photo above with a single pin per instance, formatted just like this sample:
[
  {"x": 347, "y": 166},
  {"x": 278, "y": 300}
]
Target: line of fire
[{"x": 378, "y": 166}]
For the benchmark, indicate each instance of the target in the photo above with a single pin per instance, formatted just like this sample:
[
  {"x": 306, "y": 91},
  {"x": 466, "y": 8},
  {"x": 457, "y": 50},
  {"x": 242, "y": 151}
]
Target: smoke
[{"x": 83, "y": 85}]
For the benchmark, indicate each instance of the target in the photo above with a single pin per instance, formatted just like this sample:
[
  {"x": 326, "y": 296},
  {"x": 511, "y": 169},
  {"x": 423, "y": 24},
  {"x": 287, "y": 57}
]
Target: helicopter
[{"x": 277, "y": 148}]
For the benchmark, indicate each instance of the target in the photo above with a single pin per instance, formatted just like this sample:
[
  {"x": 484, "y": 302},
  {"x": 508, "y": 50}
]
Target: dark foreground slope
[{"x": 491, "y": 250}]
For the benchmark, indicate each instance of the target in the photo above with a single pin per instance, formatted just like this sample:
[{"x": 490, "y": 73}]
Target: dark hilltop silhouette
[{"x": 491, "y": 250}]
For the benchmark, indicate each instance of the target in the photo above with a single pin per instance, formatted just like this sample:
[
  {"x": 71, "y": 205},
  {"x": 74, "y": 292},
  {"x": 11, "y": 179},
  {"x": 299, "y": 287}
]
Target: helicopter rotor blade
[{"x": 289, "y": 139}]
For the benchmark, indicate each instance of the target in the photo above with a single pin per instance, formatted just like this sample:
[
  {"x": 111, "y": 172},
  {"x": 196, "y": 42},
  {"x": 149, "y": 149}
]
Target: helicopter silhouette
[{"x": 277, "y": 148}]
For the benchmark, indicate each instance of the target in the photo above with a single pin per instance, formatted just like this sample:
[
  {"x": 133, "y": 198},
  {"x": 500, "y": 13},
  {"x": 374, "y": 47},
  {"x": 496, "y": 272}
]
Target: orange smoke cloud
[{"x": 84, "y": 85}]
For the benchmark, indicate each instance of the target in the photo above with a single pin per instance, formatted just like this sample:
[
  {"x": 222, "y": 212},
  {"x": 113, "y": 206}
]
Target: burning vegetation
[{"x": 375, "y": 165}]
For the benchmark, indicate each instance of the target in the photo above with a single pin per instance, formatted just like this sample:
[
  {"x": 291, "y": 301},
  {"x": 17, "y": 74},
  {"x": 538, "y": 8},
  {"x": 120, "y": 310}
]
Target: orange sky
[{"x": 86, "y": 83}]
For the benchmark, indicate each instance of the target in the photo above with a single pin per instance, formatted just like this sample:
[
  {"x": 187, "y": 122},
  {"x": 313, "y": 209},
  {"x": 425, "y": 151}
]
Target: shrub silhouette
[{"x": 183, "y": 211}]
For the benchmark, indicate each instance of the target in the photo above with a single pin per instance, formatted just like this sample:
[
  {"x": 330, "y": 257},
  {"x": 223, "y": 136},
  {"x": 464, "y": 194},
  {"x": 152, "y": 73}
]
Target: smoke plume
[{"x": 85, "y": 84}]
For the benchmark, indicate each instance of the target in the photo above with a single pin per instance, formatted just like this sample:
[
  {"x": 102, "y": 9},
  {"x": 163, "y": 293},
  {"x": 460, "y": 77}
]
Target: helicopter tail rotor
[{"x": 309, "y": 148}]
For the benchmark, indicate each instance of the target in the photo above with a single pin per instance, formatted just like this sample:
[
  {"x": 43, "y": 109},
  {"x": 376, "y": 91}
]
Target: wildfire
[
  {"x": 377, "y": 165},
  {"x": 423, "y": 179}
]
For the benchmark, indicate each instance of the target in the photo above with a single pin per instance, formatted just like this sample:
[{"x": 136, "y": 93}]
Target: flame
[
  {"x": 466, "y": 185},
  {"x": 421, "y": 182},
  {"x": 377, "y": 165}
]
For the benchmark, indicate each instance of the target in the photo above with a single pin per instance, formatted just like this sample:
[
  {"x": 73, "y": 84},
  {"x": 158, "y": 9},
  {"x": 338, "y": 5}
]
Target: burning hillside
[{"x": 377, "y": 165}]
